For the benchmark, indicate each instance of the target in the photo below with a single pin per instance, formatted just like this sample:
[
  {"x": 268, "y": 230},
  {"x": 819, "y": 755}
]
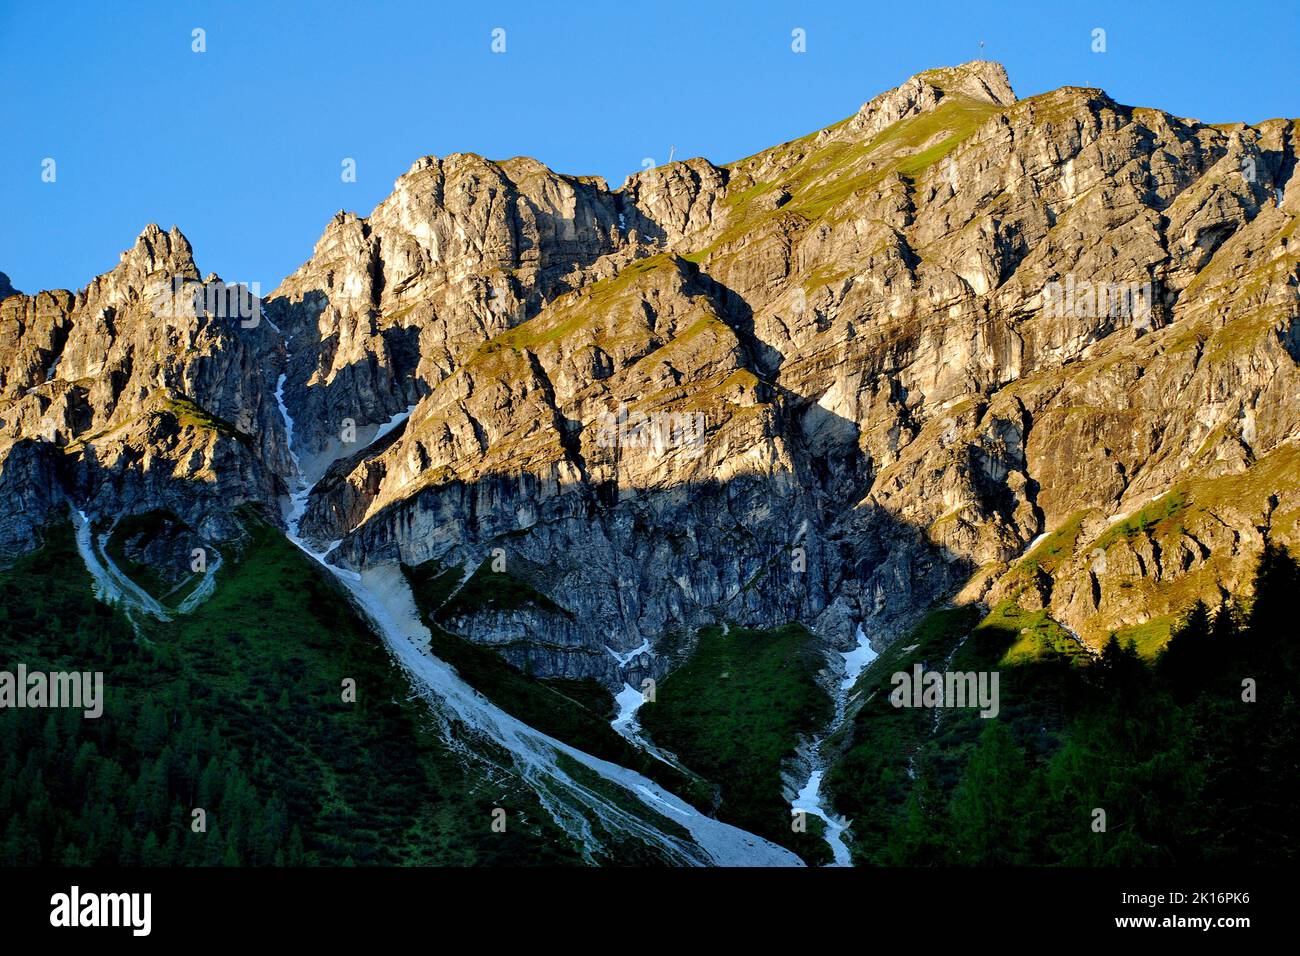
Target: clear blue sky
[{"x": 241, "y": 146}]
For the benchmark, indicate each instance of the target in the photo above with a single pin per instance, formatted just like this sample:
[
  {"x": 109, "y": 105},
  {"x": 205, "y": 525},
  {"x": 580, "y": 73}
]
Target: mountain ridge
[
  {"x": 848, "y": 309},
  {"x": 1001, "y": 382}
]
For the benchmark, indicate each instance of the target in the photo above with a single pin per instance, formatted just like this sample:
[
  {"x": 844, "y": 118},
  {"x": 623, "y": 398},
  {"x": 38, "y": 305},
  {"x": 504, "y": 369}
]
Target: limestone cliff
[{"x": 957, "y": 346}]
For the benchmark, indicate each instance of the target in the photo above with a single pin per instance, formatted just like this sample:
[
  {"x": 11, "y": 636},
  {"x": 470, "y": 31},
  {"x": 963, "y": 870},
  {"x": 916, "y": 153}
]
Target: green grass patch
[
  {"x": 1023, "y": 636},
  {"x": 734, "y": 713},
  {"x": 819, "y": 178},
  {"x": 870, "y": 782},
  {"x": 1149, "y": 638},
  {"x": 1147, "y": 518},
  {"x": 488, "y": 590},
  {"x": 1056, "y": 547},
  {"x": 192, "y": 415}
]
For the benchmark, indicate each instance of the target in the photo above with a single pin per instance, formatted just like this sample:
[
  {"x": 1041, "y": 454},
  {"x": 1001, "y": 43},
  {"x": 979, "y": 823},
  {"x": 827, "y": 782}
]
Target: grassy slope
[
  {"x": 734, "y": 712},
  {"x": 870, "y": 782},
  {"x": 238, "y": 709},
  {"x": 819, "y": 178},
  {"x": 485, "y": 590}
]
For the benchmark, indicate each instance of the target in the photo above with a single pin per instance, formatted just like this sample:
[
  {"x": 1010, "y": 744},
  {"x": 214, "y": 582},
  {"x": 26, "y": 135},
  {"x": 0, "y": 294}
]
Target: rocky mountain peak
[
  {"x": 984, "y": 80},
  {"x": 6, "y": 288},
  {"x": 157, "y": 250},
  {"x": 155, "y": 259},
  {"x": 981, "y": 81}
]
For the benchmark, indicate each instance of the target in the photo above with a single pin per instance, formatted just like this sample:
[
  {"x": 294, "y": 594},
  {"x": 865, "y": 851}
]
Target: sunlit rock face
[{"x": 835, "y": 382}]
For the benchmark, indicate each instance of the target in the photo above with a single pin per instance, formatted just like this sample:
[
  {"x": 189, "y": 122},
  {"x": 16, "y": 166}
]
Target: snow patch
[
  {"x": 629, "y": 701},
  {"x": 113, "y": 586},
  {"x": 625, "y": 659},
  {"x": 1036, "y": 542},
  {"x": 809, "y": 801},
  {"x": 857, "y": 660}
]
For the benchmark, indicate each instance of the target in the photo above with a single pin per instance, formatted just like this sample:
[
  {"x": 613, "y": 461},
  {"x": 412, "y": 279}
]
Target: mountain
[
  {"x": 858, "y": 316},
  {"x": 1034, "y": 358}
]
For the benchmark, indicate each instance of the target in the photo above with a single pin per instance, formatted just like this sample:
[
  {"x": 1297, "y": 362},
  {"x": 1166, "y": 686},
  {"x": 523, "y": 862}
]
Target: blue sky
[{"x": 241, "y": 146}]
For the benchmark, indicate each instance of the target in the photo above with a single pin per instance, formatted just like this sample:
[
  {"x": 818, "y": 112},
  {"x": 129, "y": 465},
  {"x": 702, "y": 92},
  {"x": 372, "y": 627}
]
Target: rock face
[
  {"x": 835, "y": 382},
  {"x": 463, "y": 250},
  {"x": 132, "y": 396}
]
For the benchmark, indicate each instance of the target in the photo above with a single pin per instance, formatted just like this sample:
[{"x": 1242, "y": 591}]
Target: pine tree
[
  {"x": 922, "y": 838},
  {"x": 989, "y": 804},
  {"x": 1274, "y": 588},
  {"x": 1225, "y": 630},
  {"x": 151, "y": 853},
  {"x": 1186, "y": 659}
]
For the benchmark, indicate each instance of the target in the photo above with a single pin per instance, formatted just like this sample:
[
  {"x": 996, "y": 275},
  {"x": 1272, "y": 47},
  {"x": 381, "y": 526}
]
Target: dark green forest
[{"x": 1187, "y": 768}]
